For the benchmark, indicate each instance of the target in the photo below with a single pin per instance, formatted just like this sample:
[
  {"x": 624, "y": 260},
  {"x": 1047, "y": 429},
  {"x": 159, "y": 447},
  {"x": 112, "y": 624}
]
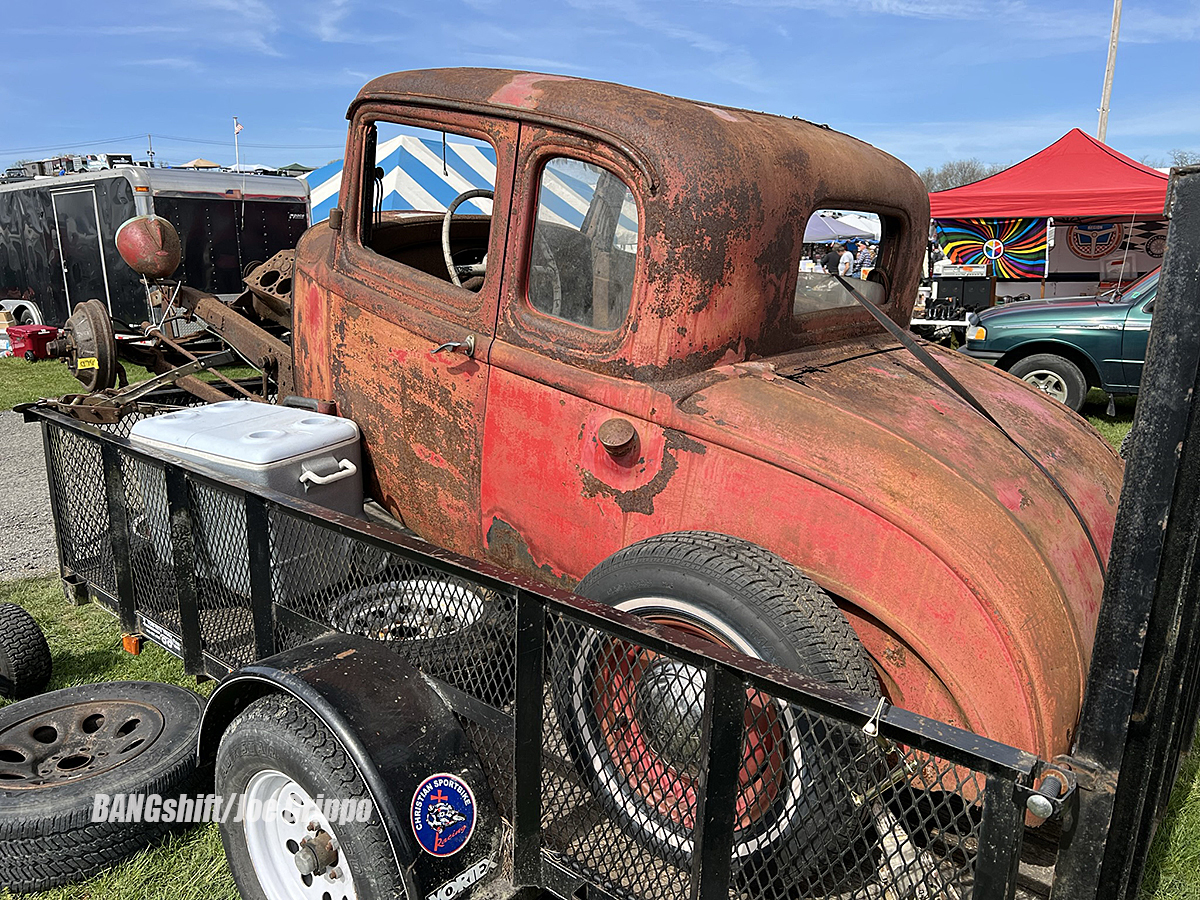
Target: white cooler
[{"x": 293, "y": 451}]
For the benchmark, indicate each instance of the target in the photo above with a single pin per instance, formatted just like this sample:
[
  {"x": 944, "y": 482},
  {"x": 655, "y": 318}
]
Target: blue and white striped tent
[{"x": 416, "y": 177}]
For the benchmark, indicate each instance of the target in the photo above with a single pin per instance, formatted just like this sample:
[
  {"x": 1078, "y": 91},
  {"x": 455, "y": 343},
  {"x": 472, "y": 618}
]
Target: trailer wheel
[
  {"x": 633, "y": 718},
  {"x": 25, "y": 663},
  {"x": 60, "y": 750},
  {"x": 281, "y": 758}
]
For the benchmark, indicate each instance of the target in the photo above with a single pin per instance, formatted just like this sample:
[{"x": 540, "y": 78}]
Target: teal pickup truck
[{"x": 1065, "y": 346}]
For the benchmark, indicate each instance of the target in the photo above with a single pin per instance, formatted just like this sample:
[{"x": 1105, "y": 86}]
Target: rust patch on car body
[{"x": 506, "y": 547}]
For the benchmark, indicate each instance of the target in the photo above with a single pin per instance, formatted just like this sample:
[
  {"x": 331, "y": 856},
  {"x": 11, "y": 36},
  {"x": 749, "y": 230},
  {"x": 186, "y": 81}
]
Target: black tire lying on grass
[
  {"x": 24, "y": 654},
  {"x": 59, "y": 750}
]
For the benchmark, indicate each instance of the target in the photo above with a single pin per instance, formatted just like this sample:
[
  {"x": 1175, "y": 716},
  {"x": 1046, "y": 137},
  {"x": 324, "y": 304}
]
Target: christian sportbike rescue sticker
[{"x": 443, "y": 814}]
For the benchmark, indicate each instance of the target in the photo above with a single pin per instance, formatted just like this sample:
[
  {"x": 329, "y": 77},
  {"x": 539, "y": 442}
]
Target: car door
[
  {"x": 1134, "y": 338},
  {"x": 407, "y": 349},
  {"x": 561, "y": 480}
]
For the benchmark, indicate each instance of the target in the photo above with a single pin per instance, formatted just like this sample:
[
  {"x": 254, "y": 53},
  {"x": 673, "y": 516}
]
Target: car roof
[{"x": 727, "y": 192}]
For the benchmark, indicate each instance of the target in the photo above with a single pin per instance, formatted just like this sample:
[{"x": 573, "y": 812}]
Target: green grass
[
  {"x": 1114, "y": 428},
  {"x": 1173, "y": 867},
  {"x": 85, "y": 644},
  {"x": 24, "y": 382}
]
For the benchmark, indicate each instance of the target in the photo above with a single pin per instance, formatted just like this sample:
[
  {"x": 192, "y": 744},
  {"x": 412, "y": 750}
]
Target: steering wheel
[{"x": 457, "y": 271}]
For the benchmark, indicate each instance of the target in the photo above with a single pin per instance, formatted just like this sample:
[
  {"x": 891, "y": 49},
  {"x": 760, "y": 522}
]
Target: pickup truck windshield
[{"x": 1142, "y": 289}]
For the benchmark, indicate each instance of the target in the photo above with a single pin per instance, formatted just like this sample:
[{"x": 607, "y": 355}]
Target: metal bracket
[
  {"x": 1053, "y": 786},
  {"x": 871, "y": 728}
]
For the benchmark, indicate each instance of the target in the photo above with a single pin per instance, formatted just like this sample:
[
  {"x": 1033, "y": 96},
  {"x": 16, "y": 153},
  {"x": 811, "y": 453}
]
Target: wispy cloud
[
  {"x": 245, "y": 24},
  {"x": 730, "y": 62},
  {"x": 1034, "y": 21},
  {"x": 163, "y": 62},
  {"x": 1149, "y": 130},
  {"x": 531, "y": 63},
  {"x": 330, "y": 15}
]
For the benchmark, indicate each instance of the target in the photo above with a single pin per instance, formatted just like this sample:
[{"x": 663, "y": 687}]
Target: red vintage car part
[{"x": 813, "y": 435}]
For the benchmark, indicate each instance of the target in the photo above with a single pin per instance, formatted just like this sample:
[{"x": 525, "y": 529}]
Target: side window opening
[
  {"x": 585, "y": 243},
  {"x": 852, "y": 244},
  {"x": 412, "y": 177}
]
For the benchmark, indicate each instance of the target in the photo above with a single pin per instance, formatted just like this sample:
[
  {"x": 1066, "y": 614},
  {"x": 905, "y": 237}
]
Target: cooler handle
[{"x": 345, "y": 470}]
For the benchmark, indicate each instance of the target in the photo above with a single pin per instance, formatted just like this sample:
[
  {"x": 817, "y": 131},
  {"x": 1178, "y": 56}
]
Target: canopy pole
[{"x": 1102, "y": 129}]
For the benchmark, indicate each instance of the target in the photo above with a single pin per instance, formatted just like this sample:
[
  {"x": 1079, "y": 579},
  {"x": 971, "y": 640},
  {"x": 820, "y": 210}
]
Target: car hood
[
  {"x": 865, "y": 419},
  {"x": 1066, "y": 308}
]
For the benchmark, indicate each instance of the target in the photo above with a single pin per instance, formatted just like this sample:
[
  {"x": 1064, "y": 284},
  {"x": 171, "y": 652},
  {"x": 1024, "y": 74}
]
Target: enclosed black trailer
[{"x": 57, "y": 244}]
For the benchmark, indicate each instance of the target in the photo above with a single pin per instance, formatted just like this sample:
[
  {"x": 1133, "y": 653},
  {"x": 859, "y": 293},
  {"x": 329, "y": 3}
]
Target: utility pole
[
  {"x": 1102, "y": 130},
  {"x": 150, "y": 150},
  {"x": 237, "y": 129}
]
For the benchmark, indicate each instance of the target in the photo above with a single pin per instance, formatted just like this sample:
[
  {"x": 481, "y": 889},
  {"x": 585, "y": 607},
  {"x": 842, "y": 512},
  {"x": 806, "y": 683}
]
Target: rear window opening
[
  {"x": 585, "y": 242},
  {"x": 849, "y": 243}
]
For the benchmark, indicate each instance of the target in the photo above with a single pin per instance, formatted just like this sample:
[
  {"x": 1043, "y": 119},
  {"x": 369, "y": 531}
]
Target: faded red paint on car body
[{"x": 963, "y": 570}]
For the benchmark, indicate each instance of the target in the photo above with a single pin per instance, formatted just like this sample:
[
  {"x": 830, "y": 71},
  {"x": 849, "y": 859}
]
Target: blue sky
[{"x": 926, "y": 80}]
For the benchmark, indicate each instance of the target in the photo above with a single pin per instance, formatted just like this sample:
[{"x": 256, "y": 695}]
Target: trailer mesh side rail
[{"x": 636, "y": 761}]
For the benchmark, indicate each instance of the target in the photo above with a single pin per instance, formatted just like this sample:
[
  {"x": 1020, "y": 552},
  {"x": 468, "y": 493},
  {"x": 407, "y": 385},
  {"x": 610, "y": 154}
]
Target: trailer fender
[{"x": 401, "y": 736}]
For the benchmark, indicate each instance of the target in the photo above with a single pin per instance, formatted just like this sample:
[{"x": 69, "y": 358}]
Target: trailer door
[{"x": 76, "y": 219}]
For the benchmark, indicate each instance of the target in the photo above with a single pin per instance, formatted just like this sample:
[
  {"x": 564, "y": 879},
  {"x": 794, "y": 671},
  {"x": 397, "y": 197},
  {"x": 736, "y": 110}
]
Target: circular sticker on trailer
[{"x": 443, "y": 814}]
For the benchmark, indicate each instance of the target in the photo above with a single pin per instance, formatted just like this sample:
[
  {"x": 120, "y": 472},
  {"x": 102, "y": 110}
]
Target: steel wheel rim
[
  {"x": 76, "y": 741},
  {"x": 419, "y": 609},
  {"x": 1050, "y": 383},
  {"x": 655, "y": 793},
  {"x": 270, "y": 840}
]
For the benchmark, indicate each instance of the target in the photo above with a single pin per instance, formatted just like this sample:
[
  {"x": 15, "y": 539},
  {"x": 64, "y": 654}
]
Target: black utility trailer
[
  {"x": 57, "y": 244},
  {"x": 436, "y": 673}
]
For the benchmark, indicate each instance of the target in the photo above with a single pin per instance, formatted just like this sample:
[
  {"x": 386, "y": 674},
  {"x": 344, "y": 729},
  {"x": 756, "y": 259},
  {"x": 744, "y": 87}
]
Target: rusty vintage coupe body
[{"x": 699, "y": 383}]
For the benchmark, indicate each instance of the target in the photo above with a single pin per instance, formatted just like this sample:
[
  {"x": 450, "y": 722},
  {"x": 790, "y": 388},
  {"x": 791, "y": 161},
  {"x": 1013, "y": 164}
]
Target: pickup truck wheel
[
  {"x": 281, "y": 759},
  {"x": 1053, "y": 375},
  {"x": 24, "y": 654},
  {"x": 60, "y": 751},
  {"x": 633, "y": 717}
]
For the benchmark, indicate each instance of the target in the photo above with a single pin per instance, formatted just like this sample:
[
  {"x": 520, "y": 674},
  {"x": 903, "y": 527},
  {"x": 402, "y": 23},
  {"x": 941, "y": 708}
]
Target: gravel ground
[{"x": 26, "y": 526}]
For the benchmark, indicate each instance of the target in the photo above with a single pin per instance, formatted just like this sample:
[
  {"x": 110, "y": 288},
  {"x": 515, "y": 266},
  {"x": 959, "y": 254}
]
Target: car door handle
[{"x": 467, "y": 347}]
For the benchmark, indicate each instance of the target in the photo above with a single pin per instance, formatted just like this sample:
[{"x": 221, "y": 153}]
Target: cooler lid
[{"x": 246, "y": 432}]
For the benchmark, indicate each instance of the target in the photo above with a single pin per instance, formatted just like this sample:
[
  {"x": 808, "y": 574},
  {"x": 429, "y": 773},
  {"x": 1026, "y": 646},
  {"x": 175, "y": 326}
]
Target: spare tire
[
  {"x": 448, "y": 628},
  {"x": 59, "y": 750},
  {"x": 24, "y": 654},
  {"x": 633, "y": 718}
]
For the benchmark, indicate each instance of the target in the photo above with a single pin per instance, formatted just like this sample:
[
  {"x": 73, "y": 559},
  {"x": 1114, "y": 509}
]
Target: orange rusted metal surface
[{"x": 714, "y": 405}]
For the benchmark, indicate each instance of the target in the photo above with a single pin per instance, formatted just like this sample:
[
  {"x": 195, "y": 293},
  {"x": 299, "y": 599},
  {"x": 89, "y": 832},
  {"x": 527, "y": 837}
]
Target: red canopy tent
[{"x": 1075, "y": 176}]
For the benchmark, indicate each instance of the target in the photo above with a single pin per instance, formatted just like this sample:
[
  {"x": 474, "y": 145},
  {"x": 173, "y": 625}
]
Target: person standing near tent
[
  {"x": 831, "y": 260},
  {"x": 845, "y": 265},
  {"x": 863, "y": 259}
]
